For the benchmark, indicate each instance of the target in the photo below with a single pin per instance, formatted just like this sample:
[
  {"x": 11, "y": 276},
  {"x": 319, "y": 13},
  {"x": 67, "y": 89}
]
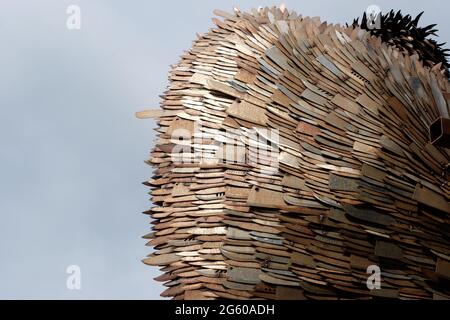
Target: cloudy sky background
[{"x": 71, "y": 150}]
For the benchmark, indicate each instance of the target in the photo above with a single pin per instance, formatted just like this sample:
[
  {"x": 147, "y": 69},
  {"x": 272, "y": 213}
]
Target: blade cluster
[{"x": 404, "y": 33}]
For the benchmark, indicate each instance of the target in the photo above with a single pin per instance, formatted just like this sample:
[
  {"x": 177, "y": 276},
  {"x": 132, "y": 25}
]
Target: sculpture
[{"x": 293, "y": 156}]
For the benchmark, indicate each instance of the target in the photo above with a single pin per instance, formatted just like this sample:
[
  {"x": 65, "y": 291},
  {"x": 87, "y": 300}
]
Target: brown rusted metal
[
  {"x": 440, "y": 132},
  {"x": 300, "y": 171}
]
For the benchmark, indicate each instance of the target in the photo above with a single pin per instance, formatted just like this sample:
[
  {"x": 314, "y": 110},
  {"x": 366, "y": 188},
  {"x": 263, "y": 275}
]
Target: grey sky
[{"x": 71, "y": 150}]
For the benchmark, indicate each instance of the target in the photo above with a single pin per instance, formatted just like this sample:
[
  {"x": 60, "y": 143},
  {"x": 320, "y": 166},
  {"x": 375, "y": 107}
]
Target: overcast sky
[{"x": 71, "y": 150}]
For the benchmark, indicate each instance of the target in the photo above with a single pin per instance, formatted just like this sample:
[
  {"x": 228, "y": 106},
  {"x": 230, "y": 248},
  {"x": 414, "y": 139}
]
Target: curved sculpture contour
[{"x": 293, "y": 161}]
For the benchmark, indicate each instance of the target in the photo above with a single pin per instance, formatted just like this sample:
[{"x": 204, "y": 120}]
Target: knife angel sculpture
[{"x": 294, "y": 161}]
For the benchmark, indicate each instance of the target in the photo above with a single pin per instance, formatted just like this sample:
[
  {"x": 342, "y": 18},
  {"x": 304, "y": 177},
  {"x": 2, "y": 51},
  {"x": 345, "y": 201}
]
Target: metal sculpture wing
[{"x": 293, "y": 161}]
